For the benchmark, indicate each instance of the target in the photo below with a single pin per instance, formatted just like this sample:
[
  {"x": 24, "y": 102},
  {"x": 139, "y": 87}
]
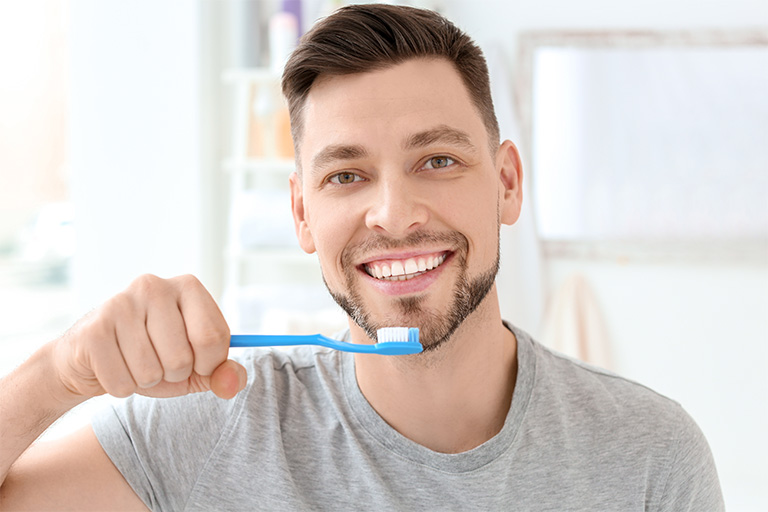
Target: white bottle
[{"x": 283, "y": 37}]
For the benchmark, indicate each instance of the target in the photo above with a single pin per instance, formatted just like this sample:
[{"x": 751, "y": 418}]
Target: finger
[
  {"x": 206, "y": 328},
  {"x": 166, "y": 331},
  {"x": 137, "y": 350},
  {"x": 112, "y": 372},
  {"x": 106, "y": 359},
  {"x": 228, "y": 379}
]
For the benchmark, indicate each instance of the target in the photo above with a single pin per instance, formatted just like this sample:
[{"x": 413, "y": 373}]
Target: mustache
[{"x": 376, "y": 242}]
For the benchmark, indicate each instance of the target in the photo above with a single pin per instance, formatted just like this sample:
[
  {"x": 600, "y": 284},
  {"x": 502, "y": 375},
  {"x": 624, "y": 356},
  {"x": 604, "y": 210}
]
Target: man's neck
[{"x": 451, "y": 400}]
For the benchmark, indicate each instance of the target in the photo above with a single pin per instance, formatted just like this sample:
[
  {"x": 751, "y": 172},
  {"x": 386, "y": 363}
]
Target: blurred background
[{"x": 150, "y": 137}]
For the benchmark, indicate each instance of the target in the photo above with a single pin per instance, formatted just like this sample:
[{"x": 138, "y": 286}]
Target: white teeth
[{"x": 404, "y": 270}]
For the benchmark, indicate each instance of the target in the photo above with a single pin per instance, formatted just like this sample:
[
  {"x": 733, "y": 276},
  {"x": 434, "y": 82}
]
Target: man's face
[{"x": 401, "y": 198}]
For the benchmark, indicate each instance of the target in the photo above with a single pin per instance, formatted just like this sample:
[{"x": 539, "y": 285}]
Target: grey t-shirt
[{"x": 302, "y": 436}]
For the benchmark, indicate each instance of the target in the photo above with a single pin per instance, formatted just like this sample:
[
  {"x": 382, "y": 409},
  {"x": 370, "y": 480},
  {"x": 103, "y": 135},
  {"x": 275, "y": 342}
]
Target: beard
[{"x": 435, "y": 327}]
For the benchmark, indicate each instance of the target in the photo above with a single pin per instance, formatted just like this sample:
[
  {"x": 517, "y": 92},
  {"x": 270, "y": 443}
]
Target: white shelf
[
  {"x": 267, "y": 274},
  {"x": 736, "y": 251}
]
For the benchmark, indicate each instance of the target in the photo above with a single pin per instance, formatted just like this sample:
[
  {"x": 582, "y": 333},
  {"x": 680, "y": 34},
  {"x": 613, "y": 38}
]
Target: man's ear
[
  {"x": 303, "y": 233},
  {"x": 510, "y": 170}
]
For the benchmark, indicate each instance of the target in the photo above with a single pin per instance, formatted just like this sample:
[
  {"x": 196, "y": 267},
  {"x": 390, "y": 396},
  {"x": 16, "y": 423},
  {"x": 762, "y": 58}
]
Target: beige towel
[{"x": 574, "y": 326}]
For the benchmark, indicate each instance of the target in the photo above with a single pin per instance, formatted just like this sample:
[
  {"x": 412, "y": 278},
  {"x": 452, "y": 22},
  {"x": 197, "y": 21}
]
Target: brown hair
[{"x": 362, "y": 38}]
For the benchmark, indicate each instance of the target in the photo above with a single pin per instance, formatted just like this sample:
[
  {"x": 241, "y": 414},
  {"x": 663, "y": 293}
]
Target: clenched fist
[{"x": 159, "y": 337}]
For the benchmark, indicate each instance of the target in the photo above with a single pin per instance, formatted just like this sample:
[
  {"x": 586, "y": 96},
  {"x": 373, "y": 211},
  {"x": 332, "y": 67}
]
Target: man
[{"x": 401, "y": 188}]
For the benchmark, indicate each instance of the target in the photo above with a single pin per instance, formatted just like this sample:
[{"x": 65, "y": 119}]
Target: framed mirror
[{"x": 647, "y": 139}]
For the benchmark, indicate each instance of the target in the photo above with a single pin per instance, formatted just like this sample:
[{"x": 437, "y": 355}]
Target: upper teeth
[{"x": 404, "y": 269}]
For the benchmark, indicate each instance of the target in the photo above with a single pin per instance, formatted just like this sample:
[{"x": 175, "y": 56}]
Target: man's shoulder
[
  {"x": 592, "y": 394},
  {"x": 613, "y": 430}
]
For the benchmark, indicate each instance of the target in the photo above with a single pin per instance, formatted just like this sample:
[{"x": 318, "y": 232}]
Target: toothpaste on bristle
[{"x": 392, "y": 334}]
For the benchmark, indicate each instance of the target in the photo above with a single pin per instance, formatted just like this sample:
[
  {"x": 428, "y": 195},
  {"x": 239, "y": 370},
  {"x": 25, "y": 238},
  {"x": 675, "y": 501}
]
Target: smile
[{"x": 403, "y": 270}]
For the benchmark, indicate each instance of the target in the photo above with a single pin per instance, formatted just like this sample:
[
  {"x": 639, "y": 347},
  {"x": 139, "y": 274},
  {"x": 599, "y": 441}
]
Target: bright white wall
[
  {"x": 694, "y": 330},
  {"x": 138, "y": 152}
]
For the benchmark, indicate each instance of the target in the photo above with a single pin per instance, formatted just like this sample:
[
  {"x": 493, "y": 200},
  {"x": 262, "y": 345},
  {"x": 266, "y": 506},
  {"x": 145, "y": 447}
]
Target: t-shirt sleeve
[
  {"x": 692, "y": 484},
  {"x": 161, "y": 445}
]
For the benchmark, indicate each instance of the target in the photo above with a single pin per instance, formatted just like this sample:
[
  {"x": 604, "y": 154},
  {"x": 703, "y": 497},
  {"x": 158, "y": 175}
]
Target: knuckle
[
  {"x": 112, "y": 306},
  {"x": 149, "y": 287},
  {"x": 178, "y": 363},
  {"x": 119, "y": 306},
  {"x": 210, "y": 337},
  {"x": 120, "y": 387},
  {"x": 149, "y": 377},
  {"x": 98, "y": 328},
  {"x": 188, "y": 281},
  {"x": 145, "y": 282},
  {"x": 148, "y": 280},
  {"x": 145, "y": 367}
]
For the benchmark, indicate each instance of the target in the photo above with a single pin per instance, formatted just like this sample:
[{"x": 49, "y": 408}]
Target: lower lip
[{"x": 410, "y": 286}]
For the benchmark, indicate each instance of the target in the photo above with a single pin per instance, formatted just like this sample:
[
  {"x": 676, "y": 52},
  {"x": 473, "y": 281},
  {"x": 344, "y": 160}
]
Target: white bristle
[{"x": 389, "y": 334}]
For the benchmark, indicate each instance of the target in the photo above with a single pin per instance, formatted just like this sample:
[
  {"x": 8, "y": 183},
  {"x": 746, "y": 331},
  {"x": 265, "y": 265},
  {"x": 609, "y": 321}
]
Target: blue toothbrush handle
[
  {"x": 278, "y": 340},
  {"x": 273, "y": 340},
  {"x": 390, "y": 348}
]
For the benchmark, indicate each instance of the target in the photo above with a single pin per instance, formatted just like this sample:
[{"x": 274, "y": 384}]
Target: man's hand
[{"x": 159, "y": 337}]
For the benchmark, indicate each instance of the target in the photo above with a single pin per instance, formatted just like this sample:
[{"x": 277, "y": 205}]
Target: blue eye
[
  {"x": 438, "y": 162},
  {"x": 344, "y": 178}
]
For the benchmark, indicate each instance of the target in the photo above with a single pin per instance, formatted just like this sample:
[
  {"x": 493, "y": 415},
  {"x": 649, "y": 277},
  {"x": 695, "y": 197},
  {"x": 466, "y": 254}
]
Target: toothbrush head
[{"x": 398, "y": 341}]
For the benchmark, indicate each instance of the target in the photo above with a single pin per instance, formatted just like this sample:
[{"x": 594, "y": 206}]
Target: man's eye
[
  {"x": 438, "y": 162},
  {"x": 344, "y": 178}
]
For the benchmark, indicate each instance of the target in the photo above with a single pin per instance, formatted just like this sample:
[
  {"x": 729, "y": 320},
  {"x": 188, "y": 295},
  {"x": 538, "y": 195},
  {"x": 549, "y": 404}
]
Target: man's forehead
[
  {"x": 415, "y": 97},
  {"x": 417, "y": 71}
]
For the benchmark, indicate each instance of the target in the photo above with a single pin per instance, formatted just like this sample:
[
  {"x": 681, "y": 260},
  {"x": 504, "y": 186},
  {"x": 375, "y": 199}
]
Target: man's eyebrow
[
  {"x": 336, "y": 152},
  {"x": 441, "y": 134}
]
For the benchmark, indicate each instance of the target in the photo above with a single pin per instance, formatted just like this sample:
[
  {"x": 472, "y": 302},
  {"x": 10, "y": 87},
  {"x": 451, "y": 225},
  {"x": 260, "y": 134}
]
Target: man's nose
[{"x": 396, "y": 209}]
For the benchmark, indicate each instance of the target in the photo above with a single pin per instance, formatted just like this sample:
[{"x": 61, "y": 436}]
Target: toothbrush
[{"x": 392, "y": 341}]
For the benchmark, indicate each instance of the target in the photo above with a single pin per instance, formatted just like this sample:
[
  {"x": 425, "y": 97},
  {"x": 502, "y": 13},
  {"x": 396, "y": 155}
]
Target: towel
[{"x": 574, "y": 326}]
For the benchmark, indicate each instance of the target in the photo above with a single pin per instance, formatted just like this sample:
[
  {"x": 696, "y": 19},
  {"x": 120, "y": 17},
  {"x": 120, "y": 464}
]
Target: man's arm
[
  {"x": 692, "y": 483},
  {"x": 73, "y": 473},
  {"x": 160, "y": 338}
]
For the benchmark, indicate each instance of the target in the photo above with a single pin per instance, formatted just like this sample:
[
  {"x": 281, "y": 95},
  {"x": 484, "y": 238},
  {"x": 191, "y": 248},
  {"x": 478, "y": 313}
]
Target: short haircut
[{"x": 371, "y": 37}]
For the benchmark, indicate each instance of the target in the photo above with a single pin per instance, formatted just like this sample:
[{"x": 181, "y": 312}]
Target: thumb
[{"x": 228, "y": 379}]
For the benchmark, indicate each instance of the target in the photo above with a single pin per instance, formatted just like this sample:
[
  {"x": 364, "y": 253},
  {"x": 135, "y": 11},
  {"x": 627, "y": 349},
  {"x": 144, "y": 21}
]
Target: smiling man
[
  {"x": 401, "y": 189},
  {"x": 402, "y": 199}
]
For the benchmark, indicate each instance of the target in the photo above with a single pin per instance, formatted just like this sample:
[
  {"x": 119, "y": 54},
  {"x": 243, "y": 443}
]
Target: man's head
[
  {"x": 403, "y": 186},
  {"x": 362, "y": 38}
]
